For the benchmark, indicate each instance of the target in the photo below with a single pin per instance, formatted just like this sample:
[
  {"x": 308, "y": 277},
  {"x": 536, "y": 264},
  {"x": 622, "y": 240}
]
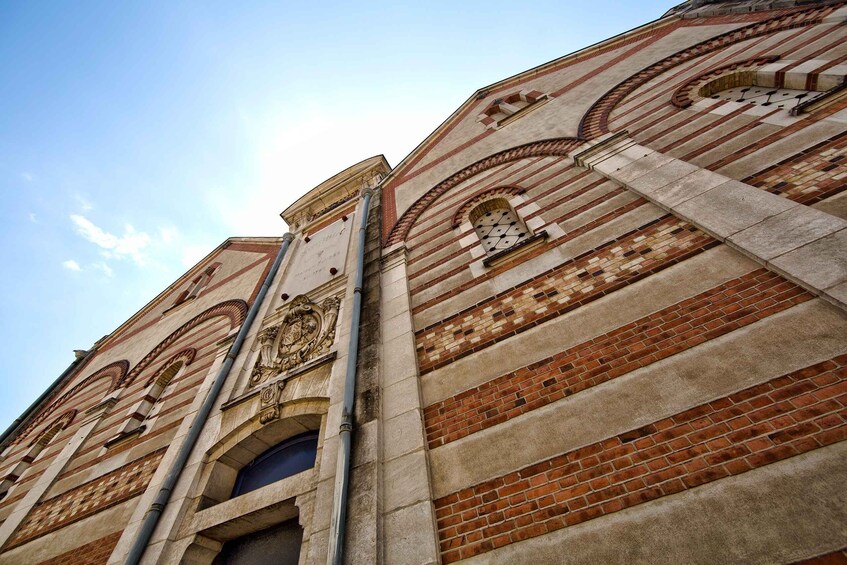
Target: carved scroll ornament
[{"x": 306, "y": 332}]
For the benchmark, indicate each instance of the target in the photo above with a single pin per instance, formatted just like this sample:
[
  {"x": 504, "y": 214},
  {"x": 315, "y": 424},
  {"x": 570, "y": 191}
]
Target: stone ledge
[{"x": 807, "y": 246}]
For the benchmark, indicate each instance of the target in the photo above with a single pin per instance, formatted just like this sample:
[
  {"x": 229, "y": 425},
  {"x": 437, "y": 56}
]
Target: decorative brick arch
[
  {"x": 55, "y": 427},
  {"x": 545, "y": 148},
  {"x": 114, "y": 372},
  {"x": 234, "y": 310},
  {"x": 186, "y": 356},
  {"x": 596, "y": 121},
  {"x": 686, "y": 94},
  {"x": 482, "y": 196}
]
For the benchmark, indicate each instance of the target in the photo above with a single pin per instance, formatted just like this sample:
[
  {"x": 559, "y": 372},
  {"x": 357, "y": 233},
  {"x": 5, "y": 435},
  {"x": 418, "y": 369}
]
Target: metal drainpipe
[
  {"x": 342, "y": 474},
  {"x": 72, "y": 368},
  {"x": 158, "y": 505}
]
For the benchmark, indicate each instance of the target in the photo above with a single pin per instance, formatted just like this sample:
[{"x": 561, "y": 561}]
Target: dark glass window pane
[
  {"x": 279, "y": 545},
  {"x": 288, "y": 458}
]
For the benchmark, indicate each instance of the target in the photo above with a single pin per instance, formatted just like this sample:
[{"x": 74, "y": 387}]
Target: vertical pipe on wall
[
  {"x": 158, "y": 505},
  {"x": 342, "y": 474}
]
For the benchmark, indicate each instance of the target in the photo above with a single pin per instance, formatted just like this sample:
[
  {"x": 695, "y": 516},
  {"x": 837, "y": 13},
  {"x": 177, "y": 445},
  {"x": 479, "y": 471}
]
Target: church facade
[{"x": 599, "y": 315}]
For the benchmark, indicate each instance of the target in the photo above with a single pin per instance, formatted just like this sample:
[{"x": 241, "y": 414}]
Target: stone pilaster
[{"x": 409, "y": 518}]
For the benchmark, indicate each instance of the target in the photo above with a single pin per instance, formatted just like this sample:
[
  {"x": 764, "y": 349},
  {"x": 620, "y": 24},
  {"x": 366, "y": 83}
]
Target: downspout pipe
[
  {"x": 157, "y": 507},
  {"x": 338, "y": 525},
  {"x": 75, "y": 365}
]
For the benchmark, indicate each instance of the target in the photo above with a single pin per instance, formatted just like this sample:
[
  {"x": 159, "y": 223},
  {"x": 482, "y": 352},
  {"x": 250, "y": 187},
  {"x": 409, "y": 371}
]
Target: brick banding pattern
[
  {"x": 596, "y": 120},
  {"x": 763, "y": 424},
  {"x": 87, "y": 499},
  {"x": 549, "y": 147},
  {"x": 113, "y": 371},
  {"x": 710, "y": 314},
  {"x": 96, "y": 552},
  {"x": 574, "y": 283},
  {"x": 815, "y": 174}
]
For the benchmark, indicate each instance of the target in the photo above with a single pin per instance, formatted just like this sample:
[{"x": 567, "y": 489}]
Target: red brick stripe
[
  {"x": 679, "y": 327},
  {"x": 781, "y": 134},
  {"x": 786, "y": 416},
  {"x": 92, "y": 553},
  {"x": 583, "y": 279},
  {"x": 83, "y": 501}
]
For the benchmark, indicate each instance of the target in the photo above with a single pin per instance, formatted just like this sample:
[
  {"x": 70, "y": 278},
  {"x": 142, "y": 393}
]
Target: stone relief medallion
[
  {"x": 269, "y": 399},
  {"x": 306, "y": 332}
]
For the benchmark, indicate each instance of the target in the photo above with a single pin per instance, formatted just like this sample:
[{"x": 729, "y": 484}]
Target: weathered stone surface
[
  {"x": 409, "y": 536},
  {"x": 685, "y": 188},
  {"x": 823, "y": 263},
  {"x": 787, "y": 231},
  {"x": 732, "y": 207},
  {"x": 669, "y": 172}
]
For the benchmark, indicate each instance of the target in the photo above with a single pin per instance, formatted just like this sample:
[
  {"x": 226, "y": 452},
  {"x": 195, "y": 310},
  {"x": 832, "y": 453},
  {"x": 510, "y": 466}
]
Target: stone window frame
[
  {"x": 505, "y": 109},
  {"x": 512, "y": 196},
  {"x": 220, "y": 518},
  {"x": 285, "y": 444},
  {"x": 766, "y": 73}
]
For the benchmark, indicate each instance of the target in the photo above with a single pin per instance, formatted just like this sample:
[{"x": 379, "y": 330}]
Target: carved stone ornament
[
  {"x": 269, "y": 402},
  {"x": 306, "y": 332}
]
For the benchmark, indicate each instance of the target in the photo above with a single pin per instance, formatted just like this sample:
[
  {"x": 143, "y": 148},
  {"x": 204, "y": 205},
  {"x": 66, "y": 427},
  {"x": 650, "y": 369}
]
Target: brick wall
[
  {"x": 92, "y": 497},
  {"x": 579, "y": 281},
  {"x": 708, "y": 315},
  {"x": 783, "y": 417},
  {"x": 92, "y": 553},
  {"x": 813, "y": 175}
]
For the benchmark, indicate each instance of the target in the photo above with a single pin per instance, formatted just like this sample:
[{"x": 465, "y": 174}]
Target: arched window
[
  {"x": 497, "y": 225},
  {"x": 147, "y": 408},
  {"x": 288, "y": 458},
  {"x": 35, "y": 449}
]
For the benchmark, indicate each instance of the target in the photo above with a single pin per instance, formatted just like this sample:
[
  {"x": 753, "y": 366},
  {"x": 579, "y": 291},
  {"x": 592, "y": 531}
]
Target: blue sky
[{"x": 136, "y": 136}]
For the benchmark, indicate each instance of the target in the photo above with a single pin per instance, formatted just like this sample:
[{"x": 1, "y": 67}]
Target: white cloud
[
  {"x": 33, "y": 218},
  {"x": 107, "y": 270},
  {"x": 71, "y": 265},
  {"x": 83, "y": 202},
  {"x": 27, "y": 177},
  {"x": 131, "y": 244},
  {"x": 168, "y": 234}
]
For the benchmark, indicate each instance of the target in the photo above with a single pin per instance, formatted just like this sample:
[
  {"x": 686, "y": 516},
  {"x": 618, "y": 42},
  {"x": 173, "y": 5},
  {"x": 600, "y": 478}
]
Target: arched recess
[
  {"x": 234, "y": 310},
  {"x": 114, "y": 372},
  {"x": 684, "y": 96},
  {"x": 227, "y": 458},
  {"x": 35, "y": 448},
  {"x": 595, "y": 122},
  {"x": 185, "y": 357},
  {"x": 480, "y": 197},
  {"x": 155, "y": 387},
  {"x": 544, "y": 148}
]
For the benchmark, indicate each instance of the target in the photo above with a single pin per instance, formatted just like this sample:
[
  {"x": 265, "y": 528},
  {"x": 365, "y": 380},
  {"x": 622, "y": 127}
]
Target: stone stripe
[
  {"x": 778, "y": 513},
  {"x": 717, "y": 368},
  {"x": 684, "y": 325},
  {"x": 577, "y": 282},
  {"x": 781, "y": 418}
]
